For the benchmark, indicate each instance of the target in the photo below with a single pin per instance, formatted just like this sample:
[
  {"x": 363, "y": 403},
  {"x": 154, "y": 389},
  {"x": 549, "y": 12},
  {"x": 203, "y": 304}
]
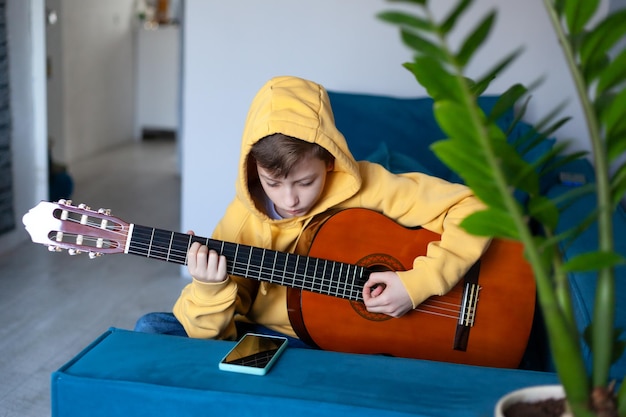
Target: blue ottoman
[{"x": 124, "y": 373}]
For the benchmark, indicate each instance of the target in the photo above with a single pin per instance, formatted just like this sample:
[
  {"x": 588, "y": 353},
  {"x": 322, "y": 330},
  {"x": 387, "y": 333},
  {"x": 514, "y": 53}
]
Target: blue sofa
[{"x": 125, "y": 373}]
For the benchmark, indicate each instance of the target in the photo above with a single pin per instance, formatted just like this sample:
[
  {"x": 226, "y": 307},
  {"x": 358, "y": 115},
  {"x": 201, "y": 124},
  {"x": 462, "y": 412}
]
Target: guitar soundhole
[{"x": 377, "y": 262}]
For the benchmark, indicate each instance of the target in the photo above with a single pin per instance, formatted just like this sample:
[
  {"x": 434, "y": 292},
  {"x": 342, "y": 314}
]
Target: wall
[
  {"x": 91, "y": 102},
  {"x": 27, "y": 82},
  {"x": 232, "y": 48}
]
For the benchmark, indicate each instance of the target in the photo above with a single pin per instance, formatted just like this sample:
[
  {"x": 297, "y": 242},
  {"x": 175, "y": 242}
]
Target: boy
[{"x": 294, "y": 165}]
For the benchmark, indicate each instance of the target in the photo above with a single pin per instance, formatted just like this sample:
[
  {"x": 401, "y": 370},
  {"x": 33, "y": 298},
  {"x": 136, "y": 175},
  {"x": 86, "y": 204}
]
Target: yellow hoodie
[{"x": 301, "y": 109}]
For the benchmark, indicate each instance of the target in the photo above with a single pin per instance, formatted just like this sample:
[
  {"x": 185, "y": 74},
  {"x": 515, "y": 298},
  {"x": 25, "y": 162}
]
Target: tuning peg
[
  {"x": 104, "y": 211},
  {"x": 53, "y": 248},
  {"x": 84, "y": 206},
  {"x": 94, "y": 255},
  {"x": 65, "y": 202},
  {"x": 73, "y": 251}
]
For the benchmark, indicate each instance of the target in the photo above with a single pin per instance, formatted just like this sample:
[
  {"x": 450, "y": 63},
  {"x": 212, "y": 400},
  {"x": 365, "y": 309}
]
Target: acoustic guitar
[{"x": 484, "y": 320}]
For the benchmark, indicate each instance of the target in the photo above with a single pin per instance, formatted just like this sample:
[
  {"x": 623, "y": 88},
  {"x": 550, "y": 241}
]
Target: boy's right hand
[{"x": 204, "y": 264}]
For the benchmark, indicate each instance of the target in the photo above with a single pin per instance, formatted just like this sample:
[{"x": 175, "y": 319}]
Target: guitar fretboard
[{"x": 321, "y": 276}]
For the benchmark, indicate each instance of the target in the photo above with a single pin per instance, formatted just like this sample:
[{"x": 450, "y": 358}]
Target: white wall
[
  {"x": 26, "y": 43},
  {"x": 231, "y": 48},
  {"x": 91, "y": 103}
]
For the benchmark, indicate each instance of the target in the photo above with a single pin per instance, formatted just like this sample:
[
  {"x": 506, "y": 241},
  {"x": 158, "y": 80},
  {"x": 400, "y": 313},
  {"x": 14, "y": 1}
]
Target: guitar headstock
[{"x": 78, "y": 229}]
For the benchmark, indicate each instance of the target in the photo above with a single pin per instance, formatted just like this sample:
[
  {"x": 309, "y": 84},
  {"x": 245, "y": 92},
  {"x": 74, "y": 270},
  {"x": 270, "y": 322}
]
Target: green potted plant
[{"x": 477, "y": 150}]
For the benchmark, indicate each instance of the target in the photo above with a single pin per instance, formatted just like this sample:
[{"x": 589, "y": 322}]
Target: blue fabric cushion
[
  {"x": 406, "y": 126},
  {"x": 396, "y": 162},
  {"x": 126, "y": 373}
]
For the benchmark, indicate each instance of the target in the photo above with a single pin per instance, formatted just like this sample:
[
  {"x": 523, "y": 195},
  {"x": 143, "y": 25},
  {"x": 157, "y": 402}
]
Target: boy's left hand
[{"x": 384, "y": 293}]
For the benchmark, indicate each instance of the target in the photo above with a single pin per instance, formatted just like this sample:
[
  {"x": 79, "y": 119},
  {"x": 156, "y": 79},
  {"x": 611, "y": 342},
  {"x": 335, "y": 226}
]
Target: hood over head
[{"x": 301, "y": 109}]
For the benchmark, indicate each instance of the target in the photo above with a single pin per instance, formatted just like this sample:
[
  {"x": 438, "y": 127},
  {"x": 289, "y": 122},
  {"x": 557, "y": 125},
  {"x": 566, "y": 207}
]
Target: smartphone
[{"x": 254, "y": 354}]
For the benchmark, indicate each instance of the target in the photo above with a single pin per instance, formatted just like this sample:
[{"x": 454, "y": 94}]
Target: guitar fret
[
  {"x": 358, "y": 294},
  {"x": 285, "y": 268},
  {"x": 315, "y": 274},
  {"x": 150, "y": 247},
  {"x": 340, "y": 275},
  {"x": 169, "y": 247},
  {"x": 332, "y": 274},
  {"x": 306, "y": 273},
  {"x": 274, "y": 262},
  {"x": 295, "y": 273},
  {"x": 343, "y": 280},
  {"x": 248, "y": 263},
  {"x": 325, "y": 291},
  {"x": 235, "y": 255}
]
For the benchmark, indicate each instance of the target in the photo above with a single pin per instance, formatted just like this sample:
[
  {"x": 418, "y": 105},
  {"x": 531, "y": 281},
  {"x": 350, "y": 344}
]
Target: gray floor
[{"x": 52, "y": 305}]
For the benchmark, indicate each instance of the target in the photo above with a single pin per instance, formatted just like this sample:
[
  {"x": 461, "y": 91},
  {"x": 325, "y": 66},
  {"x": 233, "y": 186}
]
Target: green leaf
[
  {"x": 520, "y": 175},
  {"x": 545, "y": 162},
  {"x": 604, "y": 36},
  {"x": 533, "y": 141},
  {"x": 539, "y": 128},
  {"x": 463, "y": 158},
  {"x": 615, "y": 142},
  {"x": 475, "y": 39},
  {"x": 593, "y": 261},
  {"x": 618, "y": 185},
  {"x": 612, "y": 115},
  {"x": 506, "y": 101},
  {"x": 555, "y": 163},
  {"x": 602, "y": 101},
  {"x": 519, "y": 116},
  {"x": 559, "y": 5},
  {"x": 578, "y": 13},
  {"x": 476, "y": 89},
  {"x": 592, "y": 68},
  {"x": 422, "y": 45},
  {"x": 614, "y": 74},
  {"x": 544, "y": 210},
  {"x": 491, "y": 222},
  {"x": 406, "y": 20},
  {"x": 457, "y": 120},
  {"x": 498, "y": 68},
  {"x": 450, "y": 21},
  {"x": 431, "y": 74}
]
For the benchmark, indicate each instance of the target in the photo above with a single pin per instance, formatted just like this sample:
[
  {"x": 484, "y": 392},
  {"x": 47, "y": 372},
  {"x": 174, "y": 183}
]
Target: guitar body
[{"x": 503, "y": 315}]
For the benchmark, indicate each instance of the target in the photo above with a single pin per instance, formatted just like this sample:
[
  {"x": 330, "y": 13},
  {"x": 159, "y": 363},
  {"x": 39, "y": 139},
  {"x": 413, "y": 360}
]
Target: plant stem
[{"x": 604, "y": 305}]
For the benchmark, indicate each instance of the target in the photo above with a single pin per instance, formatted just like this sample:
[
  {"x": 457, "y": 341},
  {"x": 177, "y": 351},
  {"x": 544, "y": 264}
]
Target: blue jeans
[{"x": 167, "y": 323}]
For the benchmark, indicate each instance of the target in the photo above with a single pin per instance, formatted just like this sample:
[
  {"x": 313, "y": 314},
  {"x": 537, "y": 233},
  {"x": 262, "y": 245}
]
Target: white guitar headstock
[{"x": 76, "y": 228}]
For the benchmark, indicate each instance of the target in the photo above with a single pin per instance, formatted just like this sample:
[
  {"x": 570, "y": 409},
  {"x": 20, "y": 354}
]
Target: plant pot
[{"x": 538, "y": 394}]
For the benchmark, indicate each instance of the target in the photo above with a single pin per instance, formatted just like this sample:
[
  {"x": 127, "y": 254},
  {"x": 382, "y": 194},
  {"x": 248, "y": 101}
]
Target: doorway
[{"x": 94, "y": 82}]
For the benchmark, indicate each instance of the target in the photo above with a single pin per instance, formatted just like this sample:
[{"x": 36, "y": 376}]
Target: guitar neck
[{"x": 321, "y": 276}]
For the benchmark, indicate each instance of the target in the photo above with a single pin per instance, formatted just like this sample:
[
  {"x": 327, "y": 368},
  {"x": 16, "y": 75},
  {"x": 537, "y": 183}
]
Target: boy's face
[{"x": 295, "y": 194}]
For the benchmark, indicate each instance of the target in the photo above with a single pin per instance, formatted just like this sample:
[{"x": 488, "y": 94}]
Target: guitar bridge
[{"x": 469, "y": 304}]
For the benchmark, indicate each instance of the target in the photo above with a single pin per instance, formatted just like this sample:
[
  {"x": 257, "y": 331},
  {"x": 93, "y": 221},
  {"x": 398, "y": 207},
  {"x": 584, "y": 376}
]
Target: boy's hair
[{"x": 279, "y": 153}]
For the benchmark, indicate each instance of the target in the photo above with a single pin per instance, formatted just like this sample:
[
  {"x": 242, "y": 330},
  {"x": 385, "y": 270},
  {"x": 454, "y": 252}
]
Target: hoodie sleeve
[
  {"x": 416, "y": 199},
  {"x": 207, "y": 310}
]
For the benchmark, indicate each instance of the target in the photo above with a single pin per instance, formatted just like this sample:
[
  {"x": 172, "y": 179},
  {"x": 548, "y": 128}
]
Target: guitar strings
[{"x": 438, "y": 305}]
